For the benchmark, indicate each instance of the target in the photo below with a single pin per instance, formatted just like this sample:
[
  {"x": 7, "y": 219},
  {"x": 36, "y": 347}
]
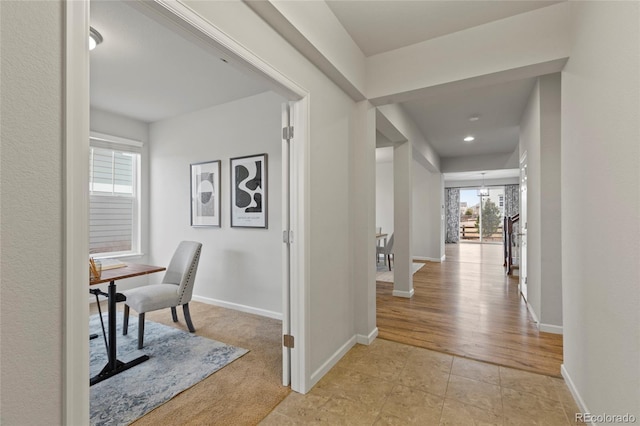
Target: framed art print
[
  {"x": 249, "y": 191},
  {"x": 205, "y": 194}
]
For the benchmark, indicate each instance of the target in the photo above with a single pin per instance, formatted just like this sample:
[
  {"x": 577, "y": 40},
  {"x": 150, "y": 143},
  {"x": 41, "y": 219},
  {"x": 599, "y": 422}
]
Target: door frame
[
  {"x": 523, "y": 228},
  {"x": 75, "y": 331}
]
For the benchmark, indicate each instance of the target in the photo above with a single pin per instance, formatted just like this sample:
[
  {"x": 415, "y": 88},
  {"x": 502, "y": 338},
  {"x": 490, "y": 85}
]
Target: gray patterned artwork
[{"x": 452, "y": 207}]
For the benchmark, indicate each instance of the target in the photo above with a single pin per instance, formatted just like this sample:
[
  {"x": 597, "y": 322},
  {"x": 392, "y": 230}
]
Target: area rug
[
  {"x": 178, "y": 360},
  {"x": 384, "y": 274}
]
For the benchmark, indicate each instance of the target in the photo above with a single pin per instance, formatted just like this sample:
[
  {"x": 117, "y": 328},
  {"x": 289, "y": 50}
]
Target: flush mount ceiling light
[
  {"x": 469, "y": 139},
  {"x": 95, "y": 38},
  {"x": 474, "y": 118}
]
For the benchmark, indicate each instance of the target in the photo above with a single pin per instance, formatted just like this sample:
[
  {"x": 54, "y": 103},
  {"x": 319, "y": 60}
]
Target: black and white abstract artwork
[
  {"x": 249, "y": 191},
  {"x": 205, "y": 194}
]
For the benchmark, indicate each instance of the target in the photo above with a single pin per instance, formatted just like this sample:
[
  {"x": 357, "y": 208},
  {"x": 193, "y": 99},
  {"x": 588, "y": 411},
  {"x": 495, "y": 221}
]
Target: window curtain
[
  {"x": 452, "y": 206},
  {"x": 511, "y": 200}
]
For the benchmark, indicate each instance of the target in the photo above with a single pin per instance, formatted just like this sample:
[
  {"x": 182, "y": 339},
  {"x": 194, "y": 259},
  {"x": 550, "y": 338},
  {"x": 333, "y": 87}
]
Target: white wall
[
  {"x": 530, "y": 143},
  {"x": 540, "y": 138},
  {"x": 31, "y": 175},
  {"x": 427, "y": 205},
  {"x": 478, "y": 182},
  {"x": 363, "y": 216},
  {"x": 510, "y": 44},
  {"x": 550, "y": 205},
  {"x": 480, "y": 162},
  {"x": 600, "y": 205},
  {"x": 384, "y": 196},
  {"x": 427, "y": 190},
  {"x": 237, "y": 266}
]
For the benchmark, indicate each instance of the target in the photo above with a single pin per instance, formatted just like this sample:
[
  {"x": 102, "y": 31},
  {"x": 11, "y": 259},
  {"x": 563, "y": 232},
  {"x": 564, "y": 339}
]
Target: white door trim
[
  {"x": 299, "y": 249},
  {"x": 76, "y": 311},
  {"x": 75, "y": 367}
]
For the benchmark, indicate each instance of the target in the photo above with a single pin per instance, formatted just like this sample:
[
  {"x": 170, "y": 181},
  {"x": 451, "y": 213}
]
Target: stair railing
[{"x": 509, "y": 241}]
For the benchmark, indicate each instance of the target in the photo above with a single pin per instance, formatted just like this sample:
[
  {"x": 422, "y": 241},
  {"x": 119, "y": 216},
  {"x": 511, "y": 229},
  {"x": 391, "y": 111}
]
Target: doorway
[
  {"x": 76, "y": 389},
  {"x": 481, "y": 214}
]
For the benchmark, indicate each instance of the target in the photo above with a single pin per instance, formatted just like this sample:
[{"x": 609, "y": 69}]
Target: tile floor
[{"x": 389, "y": 383}]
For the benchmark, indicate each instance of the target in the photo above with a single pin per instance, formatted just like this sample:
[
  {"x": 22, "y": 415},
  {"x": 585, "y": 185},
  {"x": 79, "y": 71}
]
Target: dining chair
[
  {"x": 386, "y": 251},
  {"x": 176, "y": 289}
]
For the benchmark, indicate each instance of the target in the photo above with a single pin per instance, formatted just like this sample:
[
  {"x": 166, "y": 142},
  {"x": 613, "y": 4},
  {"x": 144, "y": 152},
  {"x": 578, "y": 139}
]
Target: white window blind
[{"x": 114, "y": 199}]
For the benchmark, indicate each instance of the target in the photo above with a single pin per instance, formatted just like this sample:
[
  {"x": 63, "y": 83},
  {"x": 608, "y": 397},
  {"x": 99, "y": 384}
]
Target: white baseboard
[
  {"x": 405, "y": 294},
  {"x": 429, "y": 259},
  {"x": 574, "y": 391},
  {"x": 368, "y": 339},
  {"x": 549, "y": 328},
  {"x": 533, "y": 314},
  {"x": 331, "y": 362},
  {"x": 238, "y": 307}
]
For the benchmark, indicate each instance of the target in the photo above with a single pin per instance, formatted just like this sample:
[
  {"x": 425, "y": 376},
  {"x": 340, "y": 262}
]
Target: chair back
[
  {"x": 182, "y": 269},
  {"x": 388, "y": 248}
]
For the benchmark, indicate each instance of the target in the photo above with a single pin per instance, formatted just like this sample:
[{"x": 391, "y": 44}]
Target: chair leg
[
  {"x": 187, "y": 317},
  {"x": 389, "y": 260},
  {"x": 125, "y": 324},
  {"x": 174, "y": 314},
  {"x": 140, "y": 330}
]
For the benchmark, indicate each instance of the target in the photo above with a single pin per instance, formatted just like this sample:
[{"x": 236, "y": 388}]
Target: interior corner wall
[
  {"x": 426, "y": 214},
  {"x": 240, "y": 267},
  {"x": 32, "y": 243},
  {"x": 384, "y": 197},
  {"x": 362, "y": 157},
  {"x": 530, "y": 143},
  {"x": 600, "y": 205},
  {"x": 550, "y": 204},
  {"x": 540, "y": 137}
]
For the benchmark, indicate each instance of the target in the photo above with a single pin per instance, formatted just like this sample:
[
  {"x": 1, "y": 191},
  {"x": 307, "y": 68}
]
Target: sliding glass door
[{"x": 481, "y": 214}]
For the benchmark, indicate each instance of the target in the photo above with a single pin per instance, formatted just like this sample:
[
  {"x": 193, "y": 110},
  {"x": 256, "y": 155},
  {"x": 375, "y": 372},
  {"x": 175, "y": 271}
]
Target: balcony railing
[{"x": 471, "y": 233}]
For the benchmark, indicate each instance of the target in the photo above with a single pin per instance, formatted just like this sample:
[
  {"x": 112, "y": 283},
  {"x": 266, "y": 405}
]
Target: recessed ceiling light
[
  {"x": 95, "y": 38},
  {"x": 469, "y": 139},
  {"x": 474, "y": 118}
]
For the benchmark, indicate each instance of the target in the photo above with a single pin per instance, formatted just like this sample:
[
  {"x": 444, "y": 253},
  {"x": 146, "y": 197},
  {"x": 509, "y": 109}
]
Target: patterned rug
[
  {"x": 178, "y": 360},
  {"x": 383, "y": 273}
]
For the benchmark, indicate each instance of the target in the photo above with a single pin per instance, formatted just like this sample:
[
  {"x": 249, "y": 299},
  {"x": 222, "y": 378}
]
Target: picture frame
[
  {"x": 249, "y": 196},
  {"x": 205, "y": 194}
]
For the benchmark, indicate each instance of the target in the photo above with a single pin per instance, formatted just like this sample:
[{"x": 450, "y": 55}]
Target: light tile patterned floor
[{"x": 389, "y": 383}]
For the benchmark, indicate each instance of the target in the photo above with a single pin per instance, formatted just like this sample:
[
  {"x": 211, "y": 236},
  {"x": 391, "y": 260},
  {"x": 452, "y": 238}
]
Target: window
[{"x": 114, "y": 196}]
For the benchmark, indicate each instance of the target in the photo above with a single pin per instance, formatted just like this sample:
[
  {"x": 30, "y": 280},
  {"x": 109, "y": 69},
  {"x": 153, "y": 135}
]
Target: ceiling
[
  {"x": 145, "y": 71},
  {"x": 148, "y": 72},
  {"x": 381, "y": 25},
  {"x": 444, "y": 121}
]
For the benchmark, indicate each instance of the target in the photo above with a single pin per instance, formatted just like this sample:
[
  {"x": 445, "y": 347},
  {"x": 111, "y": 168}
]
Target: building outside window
[{"x": 114, "y": 197}]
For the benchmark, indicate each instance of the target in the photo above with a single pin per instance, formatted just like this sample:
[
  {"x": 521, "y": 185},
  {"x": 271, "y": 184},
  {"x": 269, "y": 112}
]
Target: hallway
[{"x": 467, "y": 306}]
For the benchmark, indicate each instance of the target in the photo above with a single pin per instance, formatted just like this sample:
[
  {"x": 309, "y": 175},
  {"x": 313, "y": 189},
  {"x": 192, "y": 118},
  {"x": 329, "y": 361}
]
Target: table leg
[{"x": 114, "y": 366}]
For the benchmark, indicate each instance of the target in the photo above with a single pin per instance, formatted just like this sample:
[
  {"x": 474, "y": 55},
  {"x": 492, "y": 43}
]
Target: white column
[
  {"x": 363, "y": 214},
  {"x": 402, "y": 199}
]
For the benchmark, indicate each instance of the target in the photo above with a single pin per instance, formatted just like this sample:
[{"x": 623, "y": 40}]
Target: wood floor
[{"x": 467, "y": 306}]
